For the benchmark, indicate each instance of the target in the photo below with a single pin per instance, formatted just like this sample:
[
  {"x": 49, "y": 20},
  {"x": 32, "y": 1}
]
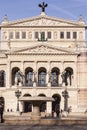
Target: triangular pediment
[
  {"x": 41, "y": 49},
  {"x": 43, "y": 20}
]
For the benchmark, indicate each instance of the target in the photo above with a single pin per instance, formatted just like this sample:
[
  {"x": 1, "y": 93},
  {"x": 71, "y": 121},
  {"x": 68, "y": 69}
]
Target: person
[
  {"x": 58, "y": 113},
  {"x": 61, "y": 112},
  {"x": 69, "y": 109},
  {"x": 52, "y": 113},
  {"x": 1, "y": 113}
]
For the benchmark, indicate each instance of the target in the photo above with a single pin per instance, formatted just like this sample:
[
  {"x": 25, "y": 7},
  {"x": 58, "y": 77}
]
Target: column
[
  {"x": 22, "y": 70},
  {"x": 8, "y": 75},
  {"x": 48, "y": 79},
  {"x": 61, "y": 70},
  {"x": 35, "y": 115},
  {"x": 49, "y": 108},
  {"x": 60, "y": 79},
  {"x": 21, "y": 106},
  {"x": 74, "y": 76},
  {"x": 48, "y": 75},
  {"x": 35, "y": 79}
]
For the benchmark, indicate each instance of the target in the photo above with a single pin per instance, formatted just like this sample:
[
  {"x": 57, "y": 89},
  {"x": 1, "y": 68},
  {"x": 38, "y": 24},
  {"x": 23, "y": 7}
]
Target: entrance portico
[{"x": 36, "y": 101}]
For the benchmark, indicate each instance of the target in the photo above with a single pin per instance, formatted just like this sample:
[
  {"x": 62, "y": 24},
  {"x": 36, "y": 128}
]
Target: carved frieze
[
  {"x": 43, "y": 49},
  {"x": 43, "y": 22}
]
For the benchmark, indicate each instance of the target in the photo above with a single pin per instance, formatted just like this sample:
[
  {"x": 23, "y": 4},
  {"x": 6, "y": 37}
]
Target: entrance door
[
  {"x": 27, "y": 107},
  {"x": 56, "y": 103}
]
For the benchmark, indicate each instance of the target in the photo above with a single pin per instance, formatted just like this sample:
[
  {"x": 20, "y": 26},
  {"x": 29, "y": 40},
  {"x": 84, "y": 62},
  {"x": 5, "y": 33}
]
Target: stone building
[{"x": 43, "y": 56}]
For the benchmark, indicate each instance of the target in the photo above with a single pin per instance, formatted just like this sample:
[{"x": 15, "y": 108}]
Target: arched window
[
  {"x": 42, "y": 77},
  {"x": 2, "y": 78},
  {"x": 29, "y": 77},
  {"x": 55, "y": 77},
  {"x": 15, "y": 76},
  {"x": 69, "y": 76}
]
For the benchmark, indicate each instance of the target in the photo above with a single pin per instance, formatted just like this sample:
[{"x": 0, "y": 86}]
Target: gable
[
  {"x": 42, "y": 49},
  {"x": 43, "y": 21}
]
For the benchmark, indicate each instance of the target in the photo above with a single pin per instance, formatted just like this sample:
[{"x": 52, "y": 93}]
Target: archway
[
  {"x": 2, "y": 101},
  {"x": 27, "y": 104},
  {"x": 56, "y": 103},
  {"x": 2, "y": 78},
  {"x": 43, "y": 104}
]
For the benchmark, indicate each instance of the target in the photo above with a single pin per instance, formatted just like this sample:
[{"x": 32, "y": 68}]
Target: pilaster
[
  {"x": 35, "y": 78},
  {"x": 8, "y": 75},
  {"x": 23, "y": 71},
  {"x": 48, "y": 74},
  {"x": 49, "y": 108},
  {"x": 61, "y": 70},
  {"x": 74, "y": 76}
]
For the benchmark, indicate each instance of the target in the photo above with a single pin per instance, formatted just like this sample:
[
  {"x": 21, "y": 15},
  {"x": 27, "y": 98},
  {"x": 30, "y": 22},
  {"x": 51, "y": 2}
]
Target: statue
[
  {"x": 63, "y": 78},
  {"x": 35, "y": 79},
  {"x": 50, "y": 77},
  {"x": 43, "y": 6},
  {"x": 68, "y": 79},
  {"x": 19, "y": 78},
  {"x": 9, "y": 44}
]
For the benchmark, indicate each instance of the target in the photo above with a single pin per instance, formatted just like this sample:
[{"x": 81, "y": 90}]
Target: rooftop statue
[{"x": 43, "y": 6}]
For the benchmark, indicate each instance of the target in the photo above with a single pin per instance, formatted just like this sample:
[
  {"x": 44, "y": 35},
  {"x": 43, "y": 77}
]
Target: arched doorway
[
  {"x": 27, "y": 104},
  {"x": 2, "y": 101},
  {"x": 56, "y": 103},
  {"x": 43, "y": 104},
  {"x": 2, "y": 78}
]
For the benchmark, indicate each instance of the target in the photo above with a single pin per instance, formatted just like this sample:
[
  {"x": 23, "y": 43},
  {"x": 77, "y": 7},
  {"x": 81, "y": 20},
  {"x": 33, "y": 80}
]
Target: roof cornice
[{"x": 9, "y": 24}]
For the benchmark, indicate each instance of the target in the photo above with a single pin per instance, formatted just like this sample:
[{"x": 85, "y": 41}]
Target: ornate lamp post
[
  {"x": 65, "y": 95},
  {"x": 18, "y": 94}
]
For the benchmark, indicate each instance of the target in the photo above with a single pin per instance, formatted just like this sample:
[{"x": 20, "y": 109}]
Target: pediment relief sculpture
[
  {"x": 43, "y": 21},
  {"x": 42, "y": 49}
]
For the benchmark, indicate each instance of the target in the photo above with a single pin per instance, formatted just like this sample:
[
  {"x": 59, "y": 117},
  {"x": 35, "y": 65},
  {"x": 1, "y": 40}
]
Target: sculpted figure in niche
[
  {"x": 4, "y": 35},
  {"x": 81, "y": 35},
  {"x": 55, "y": 35},
  {"x": 35, "y": 79},
  {"x": 30, "y": 35},
  {"x": 19, "y": 78},
  {"x": 68, "y": 79},
  {"x": 63, "y": 78},
  {"x": 50, "y": 77}
]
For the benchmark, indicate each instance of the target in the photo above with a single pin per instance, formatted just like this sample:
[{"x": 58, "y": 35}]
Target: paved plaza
[{"x": 40, "y": 127}]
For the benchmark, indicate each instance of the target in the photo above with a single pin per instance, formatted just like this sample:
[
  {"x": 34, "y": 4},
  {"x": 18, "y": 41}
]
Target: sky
[{"x": 66, "y": 9}]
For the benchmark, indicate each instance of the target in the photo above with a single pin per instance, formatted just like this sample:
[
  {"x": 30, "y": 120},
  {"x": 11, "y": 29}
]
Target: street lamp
[
  {"x": 18, "y": 94},
  {"x": 65, "y": 95}
]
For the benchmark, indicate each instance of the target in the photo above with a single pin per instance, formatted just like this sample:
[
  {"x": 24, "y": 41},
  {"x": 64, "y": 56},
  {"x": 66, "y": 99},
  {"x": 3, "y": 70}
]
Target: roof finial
[
  {"x": 81, "y": 19},
  {"x": 5, "y": 19},
  {"x": 43, "y": 6}
]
